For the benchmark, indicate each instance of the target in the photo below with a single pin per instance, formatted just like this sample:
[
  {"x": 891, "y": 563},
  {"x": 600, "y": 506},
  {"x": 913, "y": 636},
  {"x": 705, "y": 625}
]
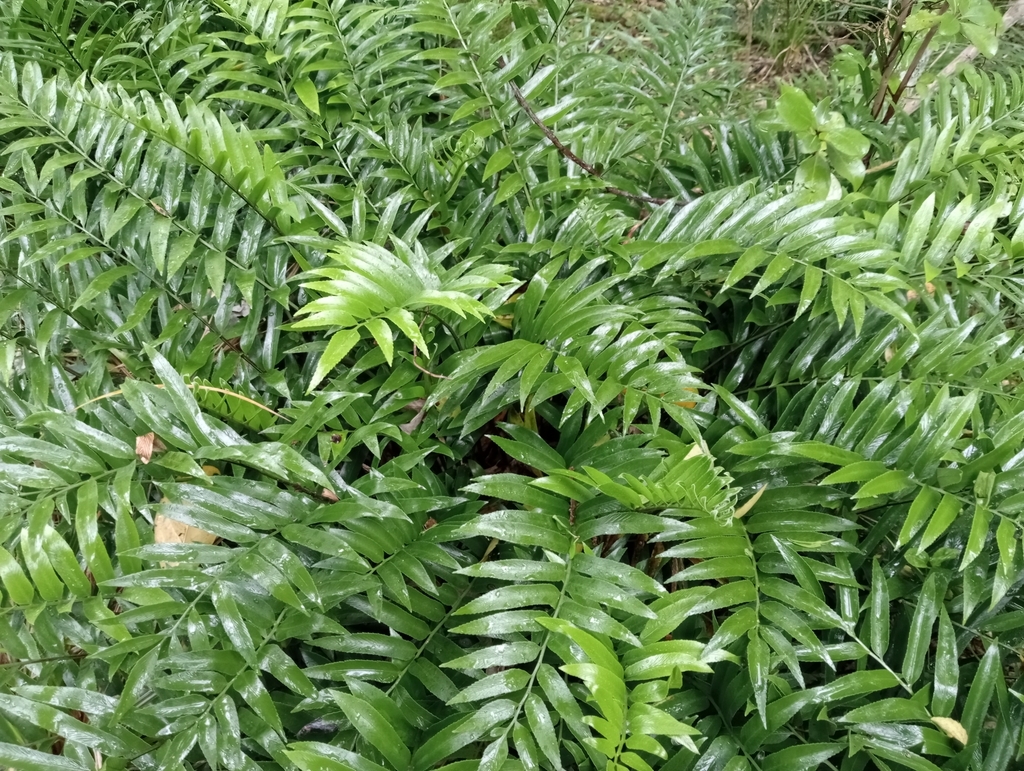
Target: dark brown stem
[
  {"x": 891, "y": 58},
  {"x": 913, "y": 67},
  {"x": 569, "y": 154},
  {"x": 552, "y": 137},
  {"x": 427, "y": 371}
]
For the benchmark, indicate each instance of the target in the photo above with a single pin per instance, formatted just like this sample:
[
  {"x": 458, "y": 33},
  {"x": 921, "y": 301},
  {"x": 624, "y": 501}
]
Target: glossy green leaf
[
  {"x": 947, "y": 669},
  {"x": 759, "y": 662},
  {"x": 28, "y": 759},
  {"x": 307, "y": 94},
  {"x": 979, "y": 695},
  {"x": 17, "y": 585},
  {"x": 801, "y": 757},
  {"x": 337, "y": 348},
  {"x": 929, "y": 602},
  {"x": 462, "y": 732},
  {"x": 233, "y": 623},
  {"x": 374, "y": 728},
  {"x": 878, "y": 621}
]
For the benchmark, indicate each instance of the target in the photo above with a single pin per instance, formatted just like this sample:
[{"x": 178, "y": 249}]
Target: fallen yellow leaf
[
  {"x": 694, "y": 452},
  {"x": 952, "y": 728},
  {"x": 750, "y": 503}
]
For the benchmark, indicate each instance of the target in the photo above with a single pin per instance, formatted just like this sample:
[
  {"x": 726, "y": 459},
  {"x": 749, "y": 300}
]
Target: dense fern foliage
[{"x": 425, "y": 384}]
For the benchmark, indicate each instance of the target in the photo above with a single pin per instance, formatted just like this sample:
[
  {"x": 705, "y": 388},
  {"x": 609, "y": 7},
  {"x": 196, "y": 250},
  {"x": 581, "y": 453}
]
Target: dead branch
[{"x": 570, "y": 155}]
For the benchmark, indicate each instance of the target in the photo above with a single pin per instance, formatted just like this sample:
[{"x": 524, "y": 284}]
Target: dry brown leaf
[
  {"x": 490, "y": 547},
  {"x": 413, "y": 424},
  {"x": 167, "y": 530},
  {"x": 146, "y": 445},
  {"x": 159, "y": 209},
  {"x": 952, "y": 728},
  {"x": 329, "y": 495}
]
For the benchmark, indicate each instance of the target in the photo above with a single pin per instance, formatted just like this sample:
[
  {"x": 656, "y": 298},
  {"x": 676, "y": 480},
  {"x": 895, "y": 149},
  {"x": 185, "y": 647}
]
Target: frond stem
[{"x": 194, "y": 387}]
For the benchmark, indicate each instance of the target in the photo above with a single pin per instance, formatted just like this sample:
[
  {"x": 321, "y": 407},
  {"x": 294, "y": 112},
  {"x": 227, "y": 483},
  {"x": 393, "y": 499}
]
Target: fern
[{"x": 441, "y": 385}]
